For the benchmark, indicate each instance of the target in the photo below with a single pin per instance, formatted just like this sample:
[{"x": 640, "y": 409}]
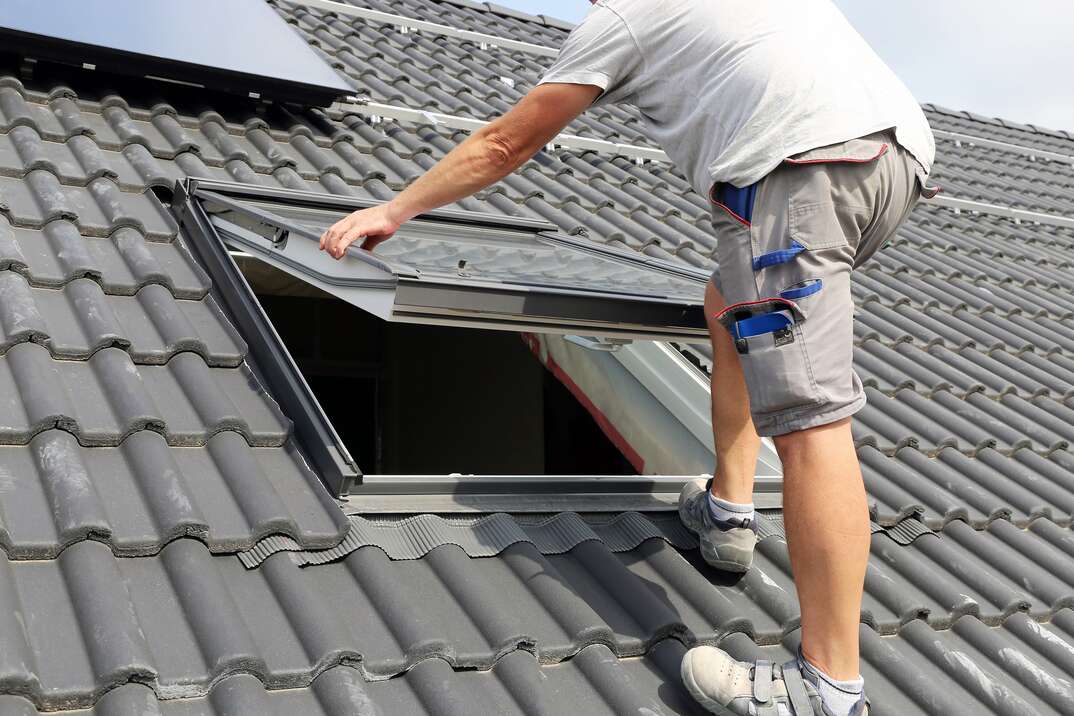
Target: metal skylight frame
[{"x": 329, "y": 456}]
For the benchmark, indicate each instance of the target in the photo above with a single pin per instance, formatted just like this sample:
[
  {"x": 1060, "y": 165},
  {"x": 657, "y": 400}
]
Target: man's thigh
[{"x": 793, "y": 256}]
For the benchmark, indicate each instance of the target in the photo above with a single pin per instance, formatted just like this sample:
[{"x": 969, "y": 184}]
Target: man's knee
[{"x": 797, "y": 445}]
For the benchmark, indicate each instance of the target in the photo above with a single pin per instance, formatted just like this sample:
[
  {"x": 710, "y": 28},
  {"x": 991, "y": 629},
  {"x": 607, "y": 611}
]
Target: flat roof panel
[{"x": 234, "y": 45}]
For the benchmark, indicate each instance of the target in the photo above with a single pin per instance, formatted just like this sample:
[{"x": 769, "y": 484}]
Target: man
[{"x": 812, "y": 153}]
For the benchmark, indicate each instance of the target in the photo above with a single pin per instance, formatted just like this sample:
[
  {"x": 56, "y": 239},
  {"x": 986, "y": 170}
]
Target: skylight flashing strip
[
  {"x": 408, "y": 23},
  {"x": 377, "y": 111},
  {"x": 1019, "y": 215},
  {"x": 1005, "y": 146}
]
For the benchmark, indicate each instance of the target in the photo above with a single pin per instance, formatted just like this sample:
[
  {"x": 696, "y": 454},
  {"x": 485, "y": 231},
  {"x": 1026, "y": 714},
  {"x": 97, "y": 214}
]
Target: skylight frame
[{"x": 330, "y": 458}]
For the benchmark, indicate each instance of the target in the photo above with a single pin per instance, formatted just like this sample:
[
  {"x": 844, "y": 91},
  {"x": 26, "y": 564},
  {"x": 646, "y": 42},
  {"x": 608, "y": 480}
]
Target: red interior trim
[
  {"x": 602, "y": 420},
  {"x": 840, "y": 160}
]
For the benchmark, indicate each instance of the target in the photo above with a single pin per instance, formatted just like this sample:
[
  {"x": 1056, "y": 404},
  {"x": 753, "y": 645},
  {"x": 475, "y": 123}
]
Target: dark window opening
[{"x": 432, "y": 400}]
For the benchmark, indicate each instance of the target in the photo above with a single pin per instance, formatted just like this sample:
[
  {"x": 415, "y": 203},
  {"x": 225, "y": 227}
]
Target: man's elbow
[{"x": 501, "y": 153}]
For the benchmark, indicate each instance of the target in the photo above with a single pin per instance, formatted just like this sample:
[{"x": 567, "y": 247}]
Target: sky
[{"x": 999, "y": 59}]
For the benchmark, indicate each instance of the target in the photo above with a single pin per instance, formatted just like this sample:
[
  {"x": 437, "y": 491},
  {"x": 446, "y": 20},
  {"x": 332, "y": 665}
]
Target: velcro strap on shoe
[
  {"x": 796, "y": 690},
  {"x": 762, "y": 681}
]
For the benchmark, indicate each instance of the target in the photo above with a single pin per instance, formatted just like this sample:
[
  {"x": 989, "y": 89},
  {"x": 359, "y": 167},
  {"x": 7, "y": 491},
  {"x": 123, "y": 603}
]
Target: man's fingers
[
  {"x": 340, "y": 247},
  {"x": 329, "y": 236}
]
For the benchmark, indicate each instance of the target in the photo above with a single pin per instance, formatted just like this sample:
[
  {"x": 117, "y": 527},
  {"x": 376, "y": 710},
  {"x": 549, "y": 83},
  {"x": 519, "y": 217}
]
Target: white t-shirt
[{"x": 730, "y": 88}]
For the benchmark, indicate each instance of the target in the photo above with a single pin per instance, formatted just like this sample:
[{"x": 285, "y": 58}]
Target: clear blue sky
[{"x": 1002, "y": 59}]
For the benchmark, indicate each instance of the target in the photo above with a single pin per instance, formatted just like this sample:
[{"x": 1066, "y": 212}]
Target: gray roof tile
[
  {"x": 75, "y": 321},
  {"x": 965, "y": 338},
  {"x": 143, "y": 494},
  {"x": 107, "y": 397}
]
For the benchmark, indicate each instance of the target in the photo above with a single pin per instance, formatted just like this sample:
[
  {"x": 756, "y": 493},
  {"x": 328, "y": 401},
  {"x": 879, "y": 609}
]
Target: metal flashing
[{"x": 483, "y": 536}]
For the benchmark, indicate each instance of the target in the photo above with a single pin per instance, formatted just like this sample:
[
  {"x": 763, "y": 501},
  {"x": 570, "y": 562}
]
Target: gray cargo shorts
[{"x": 786, "y": 248}]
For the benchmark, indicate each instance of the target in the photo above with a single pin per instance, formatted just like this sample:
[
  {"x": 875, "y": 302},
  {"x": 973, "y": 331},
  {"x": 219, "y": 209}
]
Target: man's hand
[
  {"x": 488, "y": 155},
  {"x": 374, "y": 225}
]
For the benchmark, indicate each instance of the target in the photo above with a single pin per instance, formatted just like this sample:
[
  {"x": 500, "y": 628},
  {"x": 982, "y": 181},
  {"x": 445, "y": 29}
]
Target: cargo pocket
[
  {"x": 831, "y": 209},
  {"x": 771, "y": 344}
]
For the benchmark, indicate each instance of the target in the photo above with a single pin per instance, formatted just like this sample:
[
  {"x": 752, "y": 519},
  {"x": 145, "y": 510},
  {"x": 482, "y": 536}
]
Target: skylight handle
[{"x": 279, "y": 237}]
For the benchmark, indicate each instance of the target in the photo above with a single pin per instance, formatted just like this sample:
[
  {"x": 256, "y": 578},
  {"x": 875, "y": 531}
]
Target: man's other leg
[
  {"x": 736, "y": 440},
  {"x": 723, "y": 517},
  {"x": 827, "y": 520}
]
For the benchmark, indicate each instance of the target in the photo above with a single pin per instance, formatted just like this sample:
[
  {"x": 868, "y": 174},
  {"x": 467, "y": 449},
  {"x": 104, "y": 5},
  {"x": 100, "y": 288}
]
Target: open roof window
[
  {"x": 465, "y": 269},
  {"x": 442, "y": 272},
  {"x": 206, "y": 43}
]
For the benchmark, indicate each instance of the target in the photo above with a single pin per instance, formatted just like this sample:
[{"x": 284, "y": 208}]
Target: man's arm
[{"x": 487, "y": 155}]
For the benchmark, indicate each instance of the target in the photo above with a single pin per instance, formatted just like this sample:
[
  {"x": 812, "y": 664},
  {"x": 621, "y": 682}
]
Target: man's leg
[
  {"x": 736, "y": 440},
  {"x": 827, "y": 520}
]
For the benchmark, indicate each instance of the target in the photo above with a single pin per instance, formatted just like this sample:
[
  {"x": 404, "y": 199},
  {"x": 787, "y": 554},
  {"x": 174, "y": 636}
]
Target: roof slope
[{"x": 138, "y": 444}]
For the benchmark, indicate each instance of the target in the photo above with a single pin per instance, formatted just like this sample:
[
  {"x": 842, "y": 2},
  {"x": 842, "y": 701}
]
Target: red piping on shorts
[
  {"x": 840, "y": 160},
  {"x": 740, "y": 304},
  {"x": 735, "y": 216},
  {"x": 601, "y": 419}
]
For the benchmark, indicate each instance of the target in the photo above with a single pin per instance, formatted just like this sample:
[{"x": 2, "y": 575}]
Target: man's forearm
[
  {"x": 480, "y": 161},
  {"x": 488, "y": 155}
]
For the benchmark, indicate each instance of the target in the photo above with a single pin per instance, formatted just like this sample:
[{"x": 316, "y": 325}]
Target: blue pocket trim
[
  {"x": 774, "y": 258},
  {"x": 808, "y": 288},
  {"x": 759, "y": 325}
]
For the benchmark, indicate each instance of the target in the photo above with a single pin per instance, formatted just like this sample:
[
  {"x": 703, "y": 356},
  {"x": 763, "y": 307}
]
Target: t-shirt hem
[
  {"x": 598, "y": 79},
  {"x": 761, "y": 171}
]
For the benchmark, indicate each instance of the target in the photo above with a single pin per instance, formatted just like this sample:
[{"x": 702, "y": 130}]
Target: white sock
[
  {"x": 839, "y": 697},
  {"x": 724, "y": 511}
]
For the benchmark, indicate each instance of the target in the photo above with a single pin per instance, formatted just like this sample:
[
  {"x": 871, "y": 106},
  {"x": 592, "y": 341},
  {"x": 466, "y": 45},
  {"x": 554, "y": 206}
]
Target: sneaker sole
[{"x": 695, "y": 691}]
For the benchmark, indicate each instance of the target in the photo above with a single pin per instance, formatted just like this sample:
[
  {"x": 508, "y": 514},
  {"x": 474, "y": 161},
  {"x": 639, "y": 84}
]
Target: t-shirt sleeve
[{"x": 600, "y": 51}]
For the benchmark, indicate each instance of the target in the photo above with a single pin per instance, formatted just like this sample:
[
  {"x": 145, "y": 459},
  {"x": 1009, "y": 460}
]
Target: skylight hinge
[
  {"x": 279, "y": 237},
  {"x": 606, "y": 345}
]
